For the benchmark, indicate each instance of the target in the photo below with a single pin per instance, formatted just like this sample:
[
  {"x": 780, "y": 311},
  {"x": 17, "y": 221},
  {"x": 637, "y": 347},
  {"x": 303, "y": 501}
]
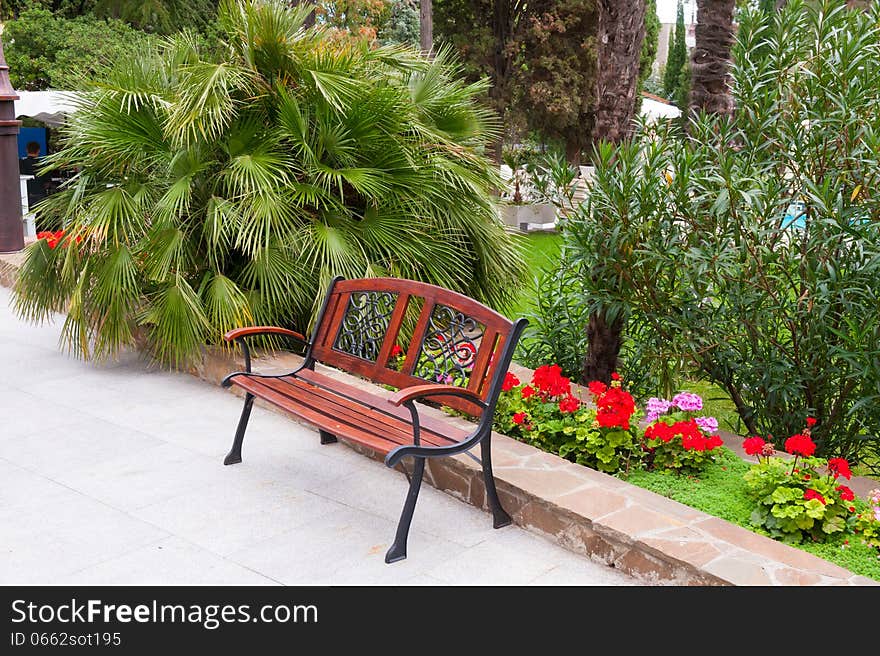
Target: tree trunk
[
  {"x": 426, "y": 26},
  {"x": 500, "y": 67},
  {"x": 620, "y": 34},
  {"x": 710, "y": 66},
  {"x": 605, "y": 339}
]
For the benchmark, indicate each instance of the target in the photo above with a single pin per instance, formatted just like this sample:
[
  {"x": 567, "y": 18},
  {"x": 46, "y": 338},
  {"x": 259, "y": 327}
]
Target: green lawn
[{"x": 541, "y": 250}]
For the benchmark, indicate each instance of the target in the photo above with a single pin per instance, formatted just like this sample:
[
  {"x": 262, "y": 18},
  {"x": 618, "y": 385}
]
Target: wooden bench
[{"x": 426, "y": 341}]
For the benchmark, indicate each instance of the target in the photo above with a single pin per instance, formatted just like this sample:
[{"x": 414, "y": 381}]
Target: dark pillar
[{"x": 11, "y": 225}]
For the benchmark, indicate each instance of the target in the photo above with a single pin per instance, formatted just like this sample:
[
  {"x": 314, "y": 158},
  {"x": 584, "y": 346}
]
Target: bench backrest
[{"x": 403, "y": 333}]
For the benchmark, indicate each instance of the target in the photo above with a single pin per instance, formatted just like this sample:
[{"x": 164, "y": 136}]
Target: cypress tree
[{"x": 676, "y": 58}]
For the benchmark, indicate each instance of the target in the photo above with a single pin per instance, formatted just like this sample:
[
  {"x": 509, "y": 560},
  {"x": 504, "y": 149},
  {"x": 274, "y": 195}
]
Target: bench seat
[{"x": 347, "y": 411}]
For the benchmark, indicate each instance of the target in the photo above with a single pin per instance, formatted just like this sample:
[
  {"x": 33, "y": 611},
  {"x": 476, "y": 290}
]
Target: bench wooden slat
[
  {"x": 338, "y": 415},
  {"x": 375, "y": 400},
  {"x": 315, "y": 417},
  {"x": 357, "y": 414}
]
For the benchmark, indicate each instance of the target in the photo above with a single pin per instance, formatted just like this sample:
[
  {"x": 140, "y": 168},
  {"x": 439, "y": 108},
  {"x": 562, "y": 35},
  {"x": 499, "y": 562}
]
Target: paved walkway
[{"x": 113, "y": 475}]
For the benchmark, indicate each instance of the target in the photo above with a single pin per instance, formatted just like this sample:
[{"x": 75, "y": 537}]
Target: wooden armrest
[
  {"x": 417, "y": 391},
  {"x": 262, "y": 330}
]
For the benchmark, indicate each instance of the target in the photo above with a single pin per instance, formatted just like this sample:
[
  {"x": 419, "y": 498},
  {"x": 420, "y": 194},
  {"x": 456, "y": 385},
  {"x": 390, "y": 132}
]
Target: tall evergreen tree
[{"x": 677, "y": 56}]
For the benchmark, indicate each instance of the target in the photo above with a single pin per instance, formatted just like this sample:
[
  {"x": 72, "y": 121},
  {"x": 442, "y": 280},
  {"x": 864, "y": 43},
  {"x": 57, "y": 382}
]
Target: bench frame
[{"x": 478, "y": 397}]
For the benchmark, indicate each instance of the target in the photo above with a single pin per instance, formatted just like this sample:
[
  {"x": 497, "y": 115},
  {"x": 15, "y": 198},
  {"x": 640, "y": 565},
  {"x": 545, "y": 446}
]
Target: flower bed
[{"x": 801, "y": 500}]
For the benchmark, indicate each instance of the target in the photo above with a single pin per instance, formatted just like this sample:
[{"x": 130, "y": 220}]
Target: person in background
[{"x": 38, "y": 186}]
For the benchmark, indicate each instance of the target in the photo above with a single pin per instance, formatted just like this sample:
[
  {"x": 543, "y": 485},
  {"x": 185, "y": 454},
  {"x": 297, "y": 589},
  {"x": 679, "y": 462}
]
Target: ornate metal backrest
[{"x": 403, "y": 333}]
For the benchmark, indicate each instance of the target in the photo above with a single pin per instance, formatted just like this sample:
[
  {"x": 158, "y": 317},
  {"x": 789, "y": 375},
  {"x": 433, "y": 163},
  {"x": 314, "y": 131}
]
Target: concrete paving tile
[
  {"x": 381, "y": 491},
  {"x": 574, "y": 576},
  {"x": 66, "y": 535},
  {"x": 139, "y": 479},
  {"x": 21, "y": 489},
  {"x": 345, "y": 547},
  {"x": 236, "y": 514},
  {"x": 315, "y": 552},
  {"x": 65, "y": 448},
  {"x": 171, "y": 561},
  {"x": 24, "y": 413}
]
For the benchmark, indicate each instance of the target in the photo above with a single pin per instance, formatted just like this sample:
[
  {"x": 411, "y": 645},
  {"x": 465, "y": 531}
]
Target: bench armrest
[
  {"x": 262, "y": 330},
  {"x": 240, "y": 333},
  {"x": 419, "y": 391}
]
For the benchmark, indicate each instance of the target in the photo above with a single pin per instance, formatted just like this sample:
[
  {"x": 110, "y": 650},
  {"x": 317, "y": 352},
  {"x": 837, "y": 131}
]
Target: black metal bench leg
[
  {"x": 234, "y": 455},
  {"x": 327, "y": 438},
  {"x": 500, "y": 517},
  {"x": 398, "y": 549}
]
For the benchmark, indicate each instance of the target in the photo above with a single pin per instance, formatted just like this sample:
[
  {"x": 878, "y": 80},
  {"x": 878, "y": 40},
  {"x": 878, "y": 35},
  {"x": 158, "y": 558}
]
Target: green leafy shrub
[
  {"x": 746, "y": 252},
  {"x": 556, "y": 323},
  {"x": 46, "y": 51},
  {"x": 800, "y": 498},
  {"x": 220, "y": 191}
]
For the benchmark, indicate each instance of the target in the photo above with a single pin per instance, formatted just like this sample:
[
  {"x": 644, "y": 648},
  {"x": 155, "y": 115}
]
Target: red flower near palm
[
  {"x": 396, "y": 351},
  {"x": 597, "y": 387},
  {"x": 811, "y": 422},
  {"x": 527, "y": 392},
  {"x": 800, "y": 445},
  {"x": 519, "y": 417},
  {"x": 614, "y": 407},
  {"x": 812, "y": 494},
  {"x": 839, "y": 467}
]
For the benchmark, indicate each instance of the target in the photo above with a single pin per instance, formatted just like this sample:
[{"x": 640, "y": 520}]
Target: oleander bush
[
  {"x": 746, "y": 251},
  {"x": 227, "y": 188}
]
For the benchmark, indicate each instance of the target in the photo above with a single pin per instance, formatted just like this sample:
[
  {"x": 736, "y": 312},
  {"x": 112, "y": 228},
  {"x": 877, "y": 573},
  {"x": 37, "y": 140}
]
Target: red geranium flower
[
  {"x": 510, "y": 381},
  {"x": 839, "y": 467},
  {"x": 800, "y": 445},
  {"x": 519, "y": 417},
  {"x": 812, "y": 494},
  {"x": 753, "y": 445},
  {"x": 597, "y": 387},
  {"x": 713, "y": 442},
  {"x": 615, "y": 376},
  {"x": 811, "y": 422},
  {"x": 549, "y": 380},
  {"x": 845, "y": 493},
  {"x": 527, "y": 392},
  {"x": 569, "y": 404},
  {"x": 396, "y": 351}
]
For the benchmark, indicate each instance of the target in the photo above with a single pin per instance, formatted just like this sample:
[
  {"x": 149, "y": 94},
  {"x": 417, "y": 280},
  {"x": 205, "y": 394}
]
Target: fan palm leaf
[{"x": 220, "y": 189}]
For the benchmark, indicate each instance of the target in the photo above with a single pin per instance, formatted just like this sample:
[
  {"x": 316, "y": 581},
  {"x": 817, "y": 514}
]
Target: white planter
[{"x": 534, "y": 216}]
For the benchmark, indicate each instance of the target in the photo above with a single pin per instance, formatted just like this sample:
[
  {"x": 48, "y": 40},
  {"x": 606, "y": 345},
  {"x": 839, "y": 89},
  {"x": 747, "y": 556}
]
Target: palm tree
[
  {"x": 621, "y": 31},
  {"x": 710, "y": 66},
  {"x": 213, "y": 193}
]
